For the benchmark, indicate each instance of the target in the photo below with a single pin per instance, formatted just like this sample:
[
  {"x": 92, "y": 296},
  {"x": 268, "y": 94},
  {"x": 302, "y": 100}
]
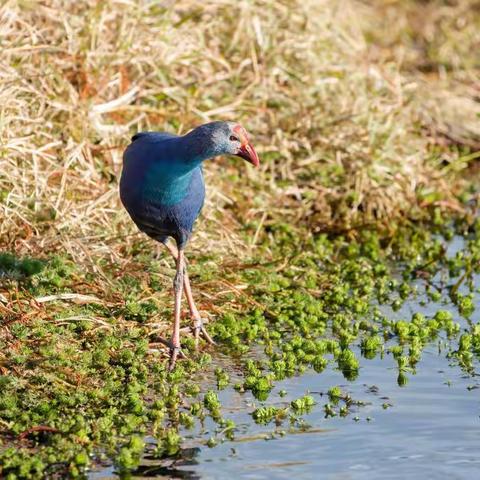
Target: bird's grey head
[{"x": 225, "y": 138}]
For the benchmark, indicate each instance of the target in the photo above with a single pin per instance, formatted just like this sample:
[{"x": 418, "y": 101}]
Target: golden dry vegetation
[{"x": 363, "y": 112}]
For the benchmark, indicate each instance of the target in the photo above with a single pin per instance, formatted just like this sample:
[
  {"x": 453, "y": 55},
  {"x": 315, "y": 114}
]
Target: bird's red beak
[{"x": 248, "y": 153}]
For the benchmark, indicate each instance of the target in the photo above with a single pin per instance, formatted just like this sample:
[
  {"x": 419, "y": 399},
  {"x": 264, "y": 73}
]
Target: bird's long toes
[
  {"x": 207, "y": 337},
  {"x": 200, "y": 330},
  {"x": 172, "y": 362},
  {"x": 175, "y": 353}
]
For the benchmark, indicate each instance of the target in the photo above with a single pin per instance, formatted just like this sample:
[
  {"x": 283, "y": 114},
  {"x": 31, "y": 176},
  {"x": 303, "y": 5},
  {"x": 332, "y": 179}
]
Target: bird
[{"x": 163, "y": 190}]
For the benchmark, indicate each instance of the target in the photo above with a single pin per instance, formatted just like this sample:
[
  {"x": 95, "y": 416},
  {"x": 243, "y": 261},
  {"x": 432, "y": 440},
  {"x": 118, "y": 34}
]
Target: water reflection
[{"x": 180, "y": 467}]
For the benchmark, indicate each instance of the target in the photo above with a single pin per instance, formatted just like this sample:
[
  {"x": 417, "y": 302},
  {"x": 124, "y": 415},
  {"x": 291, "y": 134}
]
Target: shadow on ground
[{"x": 16, "y": 268}]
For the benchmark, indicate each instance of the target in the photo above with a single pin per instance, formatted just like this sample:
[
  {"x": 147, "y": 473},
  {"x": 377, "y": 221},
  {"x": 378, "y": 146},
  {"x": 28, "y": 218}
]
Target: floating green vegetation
[
  {"x": 86, "y": 381},
  {"x": 303, "y": 404},
  {"x": 264, "y": 415}
]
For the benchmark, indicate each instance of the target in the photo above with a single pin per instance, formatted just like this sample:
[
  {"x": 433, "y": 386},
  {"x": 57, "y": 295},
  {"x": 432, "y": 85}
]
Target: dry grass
[{"x": 341, "y": 97}]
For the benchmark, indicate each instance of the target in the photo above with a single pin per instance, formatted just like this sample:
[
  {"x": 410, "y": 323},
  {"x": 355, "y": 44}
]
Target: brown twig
[{"x": 37, "y": 428}]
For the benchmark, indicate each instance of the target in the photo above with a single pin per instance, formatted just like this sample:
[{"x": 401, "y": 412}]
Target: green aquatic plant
[
  {"x": 129, "y": 455},
  {"x": 264, "y": 415},
  {"x": 335, "y": 394},
  {"x": 465, "y": 304},
  {"x": 348, "y": 363},
  {"x": 212, "y": 404},
  {"x": 370, "y": 346},
  {"x": 168, "y": 443},
  {"x": 303, "y": 404}
]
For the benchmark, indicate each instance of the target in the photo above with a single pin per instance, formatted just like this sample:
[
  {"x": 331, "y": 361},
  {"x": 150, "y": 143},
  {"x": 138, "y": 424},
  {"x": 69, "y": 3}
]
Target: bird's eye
[{"x": 233, "y": 138}]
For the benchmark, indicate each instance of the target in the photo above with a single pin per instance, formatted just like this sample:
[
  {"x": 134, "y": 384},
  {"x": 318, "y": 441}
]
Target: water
[{"x": 430, "y": 430}]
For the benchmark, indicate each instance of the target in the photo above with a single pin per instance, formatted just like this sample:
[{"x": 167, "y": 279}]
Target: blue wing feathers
[{"x": 161, "y": 199}]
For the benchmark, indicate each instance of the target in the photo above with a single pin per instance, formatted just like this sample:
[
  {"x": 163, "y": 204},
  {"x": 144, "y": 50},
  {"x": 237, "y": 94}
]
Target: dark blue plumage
[
  {"x": 163, "y": 190},
  {"x": 162, "y": 194}
]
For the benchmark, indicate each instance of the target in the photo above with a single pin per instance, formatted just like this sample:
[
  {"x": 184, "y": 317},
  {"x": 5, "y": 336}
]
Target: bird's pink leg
[
  {"x": 175, "y": 350},
  {"x": 198, "y": 326}
]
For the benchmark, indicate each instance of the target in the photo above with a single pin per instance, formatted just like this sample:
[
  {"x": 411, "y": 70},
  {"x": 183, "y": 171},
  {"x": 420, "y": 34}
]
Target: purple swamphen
[{"x": 163, "y": 190}]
